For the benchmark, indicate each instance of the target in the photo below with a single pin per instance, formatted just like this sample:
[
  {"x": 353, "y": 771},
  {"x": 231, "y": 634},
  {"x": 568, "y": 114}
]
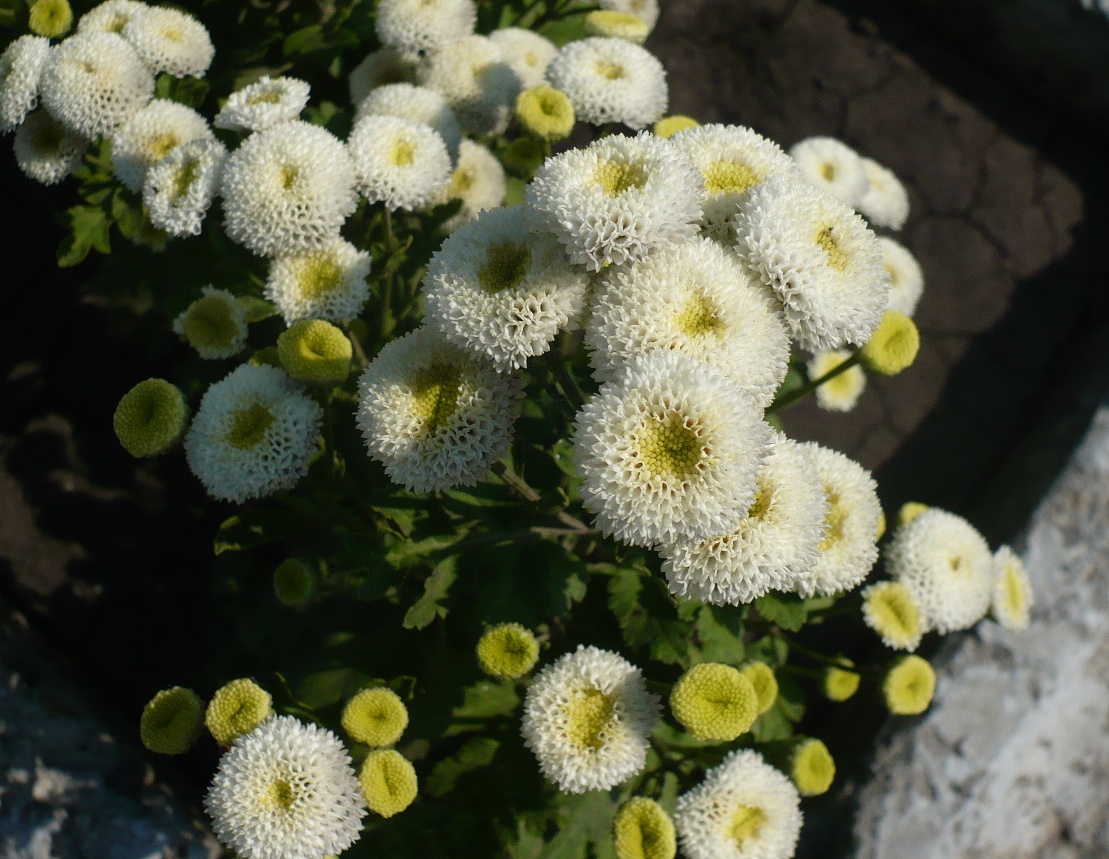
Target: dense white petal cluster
[
  {"x": 93, "y": 81},
  {"x": 670, "y": 450},
  {"x": 478, "y": 181},
  {"x": 526, "y": 52},
  {"x": 179, "y": 189},
  {"x": 732, "y": 160},
  {"x": 645, "y": 10},
  {"x": 840, "y": 393},
  {"x": 401, "y": 163},
  {"x": 287, "y": 189},
  {"x": 264, "y": 103},
  {"x": 849, "y": 547},
  {"x": 587, "y": 718},
  {"x": 832, "y": 165},
  {"x": 611, "y": 80},
  {"x": 695, "y": 298},
  {"x": 618, "y": 199},
  {"x": 433, "y": 415},
  {"x": 286, "y": 790},
  {"x": 415, "y": 28},
  {"x": 906, "y": 278},
  {"x": 416, "y": 104},
  {"x": 45, "y": 151},
  {"x": 254, "y": 434},
  {"x": 109, "y": 17},
  {"x": 886, "y": 202},
  {"x": 478, "y": 85},
  {"x": 152, "y": 133},
  {"x": 328, "y": 283},
  {"x": 215, "y": 325},
  {"x": 21, "y": 67},
  {"x": 170, "y": 41},
  {"x": 819, "y": 257},
  {"x": 744, "y": 809},
  {"x": 502, "y": 289},
  {"x": 1012, "y": 600},
  {"x": 947, "y": 565},
  {"x": 379, "y": 68},
  {"x": 771, "y": 548}
]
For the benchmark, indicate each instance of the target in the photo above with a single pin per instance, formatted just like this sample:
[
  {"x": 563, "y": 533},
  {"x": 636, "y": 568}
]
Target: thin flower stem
[
  {"x": 557, "y": 365},
  {"x": 806, "y": 389},
  {"x": 359, "y": 352},
  {"x": 521, "y": 486}
]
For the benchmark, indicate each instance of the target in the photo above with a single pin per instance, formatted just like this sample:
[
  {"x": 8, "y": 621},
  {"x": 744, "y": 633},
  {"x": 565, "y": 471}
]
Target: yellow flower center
[
  {"x": 837, "y": 259},
  {"x": 184, "y": 178},
  {"x": 266, "y": 96},
  {"x": 747, "y": 823},
  {"x": 461, "y": 181},
  {"x": 248, "y": 426},
  {"x": 161, "y": 145},
  {"x": 319, "y": 274},
  {"x": 616, "y": 178},
  {"x": 895, "y": 612},
  {"x": 435, "y": 395},
  {"x": 835, "y": 520},
  {"x": 670, "y": 446},
  {"x": 895, "y": 277},
  {"x": 281, "y": 794},
  {"x": 764, "y": 497},
  {"x": 722, "y": 177},
  {"x": 608, "y": 70},
  {"x": 700, "y": 316},
  {"x": 402, "y": 153},
  {"x": 506, "y": 266},
  {"x": 116, "y": 24},
  {"x": 589, "y": 718},
  {"x": 173, "y": 34},
  {"x": 288, "y": 175},
  {"x": 1014, "y": 594},
  {"x": 828, "y": 171}
]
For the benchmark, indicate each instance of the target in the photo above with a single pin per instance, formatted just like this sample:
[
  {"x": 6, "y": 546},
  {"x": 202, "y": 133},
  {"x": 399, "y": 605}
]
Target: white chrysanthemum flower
[
  {"x": 287, "y": 189},
  {"x": 264, "y": 103},
  {"x": 1011, "y": 603},
  {"x": 502, "y": 289},
  {"x": 402, "y": 163},
  {"x": 848, "y": 548},
  {"x": 670, "y": 450},
  {"x": 416, "y": 28},
  {"x": 695, "y": 298},
  {"x": 254, "y": 434},
  {"x": 840, "y": 393},
  {"x": 416, "y": 104},
  {"x": 329, "y": 283},
  {"x": 947, "y": 565},
  {"x": 45, "y": 151},
  {"x": 526, "y": 52},
  {"x": 819, "y": 257},
  {"x": 379, "y": 68},
  {"x": 215, "y": 325},
  {"x": 618, "y": 199},
  {"x": 286, "y": 790},
  {"x": 93, "y": 81},
  {"x": 744, "y": 809},
  {"x": 478, "y": 181},
  {"x": 170, "y": 41},
  {"x": 109, "y": 17},
  {"x": 21, "y": 67},
  {"x": 152, "y": 133},
  {"x": 433, "y": 415},
  {"x": 732, "y": 160},
  {"x": 833, "y": 166},
  {"x": 587, "y": 718},
  {"x": 478, "y": 85},
  {"x": 179, "y": 189},
  {"x": 906, "y": 278},
  {"x": 885, "y": 202},
  {"x": 611, "y": 80},
  {"x": 771, "y": 547}
]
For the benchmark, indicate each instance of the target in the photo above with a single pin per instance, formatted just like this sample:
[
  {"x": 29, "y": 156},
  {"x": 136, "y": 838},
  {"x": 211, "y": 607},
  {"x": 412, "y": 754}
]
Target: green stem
[
  {"x": 522, "y": 488},
  {"x": 806, "y": 389},
  {"x": 557, "y": 365}
]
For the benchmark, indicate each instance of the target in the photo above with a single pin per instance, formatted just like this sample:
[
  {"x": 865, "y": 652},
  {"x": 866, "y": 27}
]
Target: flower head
[
  {"x": 150, "y": 134},
  {"x": 478, "y": 181},
  {"x": 642, "y": 830},
  {"x": 840, "y": 684},
  {"x": 908, "y": 686},
  {"x": 150, "y": 418},
  {"x": 811, "y": 767},
  {"x": 109, "y": 17},
  {"x": 178, "y": 190},
  {"x": 1012, "y": 600},
  {"x": 236, "y": 709},
  {"x": 416, "y": 104},
  {"x": 645, "y": 10},
  {"x": 170, "y": 41},
  {"x": 172, "y": 721},
  {"x": 50, "y": 18},
  {"x": 214, "y": 324},
  {"x": 906, "y": 278},
  {"x": 328, "y": 283},
  {"x": 714, "y": 702},
  {"x": 893, "y": 345},
  {"x": 45, "y": 151},
  {"x": 545, "y": 112},
  {"x": 388, "y": 782},
  {"x": 264, "y": 103},
  {"x": 840, "y": 393},
  {"x": 418, "y": 28},
  {"x": 376, "y": 717},
  {"x": 507, "y": 651},
  {"x": 762, "y": 680},
  {"x": 891, "y": 610},
  {"x": 526, "y": 52},
  {"x": 401, "y": 163},
  {"x": 294, "y": 582},
  {"x": 313, "y": 350},
  {"x": 832, "y": 165},
  {"x": 21, "y": 67},
  {"x": 885, "y": 203},
  {"x": 610, "y": 24}
]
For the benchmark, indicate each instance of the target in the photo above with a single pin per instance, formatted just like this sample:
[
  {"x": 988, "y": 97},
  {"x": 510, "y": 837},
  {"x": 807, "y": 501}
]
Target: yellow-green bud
[
  {"x": 172, "y": 721},
  {"x": 839, "y": 683},
  {"x": 668, "y": 126},
  {"x": 764, "y": 682},
  {"x": 545, "y": 112},
  {"x": 507, "y": 651},
  {"x": 891, "y": 610},
  {"x": 313, "y": 350},
  {"x": 50, "y": 18},
  {"x": 294, "y": 582},
  {"x": 610, "y": 24},
  {"x": 909, "y": 511},
  {"x": 376, "y": 717},
  {"x": 893, "y": 345},
  {"x": 214, "y": 325},
  {"x": 642, "y": 830},
  {"x": 150, "y": 418},
  {"x": 909, "y": 686},
  {"x": 880, "y": 531},
  {"x": 237, "y": 708},
  {"x": 714, "y": 702},
  {"x": 388, "y": 782},
  {"x": 812, "y": 768}
]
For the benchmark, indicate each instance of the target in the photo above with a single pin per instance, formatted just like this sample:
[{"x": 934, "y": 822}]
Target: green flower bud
[
  {"x": 388, "y": 782},
  {"x": 376, "y": 717},
  {"x": 909, "y": 686},
  {"x": 214, "y": 325},
  {"x": 642, "y": 830},
  {"x": 315, "y": 351},
  {"x": 507, "y": 651},
  {"x": 545, "y": 112},
  {"x": 765, "y": 683},
  {"x": 839, "y": 683},
  {"x": 294, "y": 582},
  {"x": 812, "y": 768},
  {"x": 668, "y": 126},
  {"x": 893, "y": 345},
  {"x": 714, "y": 702},
  {"x": 150, "y": 418},
  {"x": 172, "y": 721},
  {"x": 237, "y": 708},
  {"x": 50, "y": 18}
]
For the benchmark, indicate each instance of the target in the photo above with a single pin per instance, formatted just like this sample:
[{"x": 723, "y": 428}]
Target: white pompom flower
[
  {"x": 93, "y": 82},
  {"x": 744, "y": 809},
  {"x": 1012, "y": 600},
  {"x": 328, "y": 283},
  {"x": 45, "y": 151},
  {"x": 886, "y": 202},
  {"x": 416, "y": 28},
  {"x": 478, "y": 181},
  {"x": 254, "y": 434},
  {"x": 416, "y": 104},
  {"x": 618, "y": 199},
  {"x": 906, "y": 278},
  {"x": 611, "y": 80},
  {"x": 286, "y": 790},
  {"x": 695, "y": 298},
  {"x": 150, "y": 134},
  {"x": 287, "y": 189},
  {"x": 109, "y": 17},
  {"x": 170, "y": 41},
  {"x": 772, "y": 546},
  {"x": 379, "y": 68},
  {"x": 819, "y": 257},
  {"x": 645, "y": 10},
  {"x": 478, "y": 85},
  {"x": 588, "y": 717},
  {"x": 21, "y": 67},
  {"x": 179, "y": 189},
  {"x": 527, "y": 53},
  {"x": 502, "y": 289},
  {"x": 264, "y": 103},
  {"x": 670, "y": 450},
  {"x": 433, "y": 415},
  {"x": 401, "y": 163},
  {"x": 833, "y": 166}
]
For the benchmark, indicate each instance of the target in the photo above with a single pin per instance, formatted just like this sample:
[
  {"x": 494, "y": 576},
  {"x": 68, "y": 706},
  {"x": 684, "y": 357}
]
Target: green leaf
[
  {"x": 88, "y": 230},
  {"x": 716, "y": 640},
  {"x": 647, "y": 616},
  {"x": 475, "y": 753},
  {"x": 254, "y": 527},
  {"x": 485, "y": 699},
  {"x": 326, "y": 688},
  {"x": 772, "y": 725},
  {"x": 582, "y": 820},
  {"x": 786, "y": 610},
  {"x": 430, "y": 605},
  {"x": 315, "y": 38},
  {"x": 256, "y": 309},
  {"x": 409, "y": 553}
]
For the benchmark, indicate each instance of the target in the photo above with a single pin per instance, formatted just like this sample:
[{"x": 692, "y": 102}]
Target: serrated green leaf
[
  {"x": 475, "y": 753},
  {"x": 431, "y": 604},
  {"x": 718, "y": 635},
  {"x": 648, "y": 617},
  {"x": 582, "y": 820},
  {"x": 87, "y": 230},
  {"x": 786, "y": 610},
  {"x": 256, "y": 309}
]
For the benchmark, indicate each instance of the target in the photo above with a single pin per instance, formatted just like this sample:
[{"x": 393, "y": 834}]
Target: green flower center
[
  {"x": 670, "y": 446},
  {"x": 764, "y": 497},
  {"x": 700, "y": 316},
  {"x": 266, "y": 96},
  {"x": 723, "y": 177},
  {"x": 896, "y": 613},
  {"x": 589, "y": 718},
  {"x": 461, "y": 181},
  {"x": 747, "y": 823},
  {"x": 281, "y": 794},
  {"x": 159, "y": 146},
  {"x": 248, "y": 426},
  {"x": 828, "y": 171},
  {"x": 609, "y": 70},
  {"x": 184, "y": 177},
  {"x": 319, "y": 274},
  {"x": 402, "y": 153},
  {"x": 288, "y": 175},
  {"x": 837, "y": 259},
  {"x": 506, "y": 266},
  {"x": 835, "y": 520},
  {"x": 435, "y": 395},
  {"x": 616, "y": 178},
  {"x": 210, "y": 322}
]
